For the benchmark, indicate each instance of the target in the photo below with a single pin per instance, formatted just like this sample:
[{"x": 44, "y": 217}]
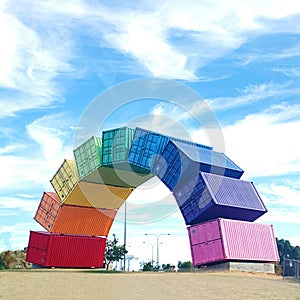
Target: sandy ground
[{"x": 90, "y": 284}]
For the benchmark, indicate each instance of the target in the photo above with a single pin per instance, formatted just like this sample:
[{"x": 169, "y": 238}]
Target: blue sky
[{"x": 242, "y": 57}]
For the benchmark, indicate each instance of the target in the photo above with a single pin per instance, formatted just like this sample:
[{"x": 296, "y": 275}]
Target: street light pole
[
  {"x": 152, "y": 246},
  {"x": 157, "y": 245},
  {"x": 125, "y": 233}
]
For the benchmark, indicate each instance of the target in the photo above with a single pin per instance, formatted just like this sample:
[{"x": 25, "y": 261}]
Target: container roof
[{"x": 206, "y": 156}]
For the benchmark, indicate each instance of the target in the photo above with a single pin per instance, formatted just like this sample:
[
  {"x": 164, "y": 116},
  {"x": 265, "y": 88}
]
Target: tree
[
  {"x": 166, "y": 267},
  {"x": 114, "y": 252},
  {"x": 286, "y": 250},
  {"x": 148, "y": 266},
  {"x": 8, "y": 259},
  {"x": 185, "y": 266}
]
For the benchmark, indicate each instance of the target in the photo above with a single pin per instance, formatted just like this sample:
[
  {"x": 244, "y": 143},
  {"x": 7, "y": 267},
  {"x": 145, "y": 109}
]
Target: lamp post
[
  {"x": 125, "y": 233},
  {"x": 157, "y": 245},
  {"x": 152, "y": 246}
]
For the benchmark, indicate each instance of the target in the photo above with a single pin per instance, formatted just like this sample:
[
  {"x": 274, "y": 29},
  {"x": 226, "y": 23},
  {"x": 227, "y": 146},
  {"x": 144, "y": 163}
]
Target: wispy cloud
[
  {"x": 16, "y": 236},
  {"x": 254, "y": 93},
  {"x": 282, "y": 195},
  {"x": 169, "y": 39},
  {"x": 290, "y": 72},
  {"x": 53, "y": 135},
  {"x": 281, "y": 215},
  {"x": 19, "y": 203},
  {"x": 274, "y": 150},
  {"x": 31, "y": 61},
  {"x": 33, "y": 164}
]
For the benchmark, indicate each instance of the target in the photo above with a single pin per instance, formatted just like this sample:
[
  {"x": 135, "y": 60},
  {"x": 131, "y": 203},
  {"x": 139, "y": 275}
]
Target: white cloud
[
  {"x": 53, "y": 135},
  {"x": 169, "y": 39},
  {"x": 291, "y": 72},
  {"x": 31, "y": 60},
  {"x": 16, "y": 236},
  {"x": 18, "y": 203},
  {"x": 281, "y": 215},
  {"x": 34, "y": 163},
  {"x": 265, "y": 144},
  {"x": 252, "y": 94},
  {"x": 295, "y": 241},
  {"x": 280, "y": 194}
]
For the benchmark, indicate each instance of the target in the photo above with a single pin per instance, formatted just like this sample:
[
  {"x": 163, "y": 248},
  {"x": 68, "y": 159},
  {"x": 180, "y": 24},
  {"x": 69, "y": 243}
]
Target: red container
[
  {"x": 72, "y": 251},
  {"x": 48, "y": 210},
  {"x": 230, "y": 240}
]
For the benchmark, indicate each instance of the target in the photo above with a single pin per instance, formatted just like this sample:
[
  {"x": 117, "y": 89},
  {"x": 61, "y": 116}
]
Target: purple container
[
  {"x": 230, "y": 240},
  {"x": 209, "y": 196},
  {"x": 180, "y": 162}
]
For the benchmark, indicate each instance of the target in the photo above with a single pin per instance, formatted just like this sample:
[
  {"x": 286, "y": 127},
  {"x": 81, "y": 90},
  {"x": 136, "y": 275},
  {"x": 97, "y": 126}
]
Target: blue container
[
  {"x": 147, "y": 145},
  {"x": 209, "y": 196},
  {"x": 180, "y": 162}
]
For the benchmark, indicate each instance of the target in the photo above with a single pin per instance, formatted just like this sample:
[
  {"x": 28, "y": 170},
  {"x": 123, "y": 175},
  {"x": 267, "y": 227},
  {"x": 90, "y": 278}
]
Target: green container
[
  {"x": 105, "y": 160},
  {"x": 88, "y": 156},
  {"x": 116, "y": 145}
]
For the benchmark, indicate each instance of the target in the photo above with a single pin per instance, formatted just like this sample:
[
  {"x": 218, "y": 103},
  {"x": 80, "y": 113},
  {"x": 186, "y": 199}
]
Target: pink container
[
  {"x": 68, "y": 251},
  {"x": 223, "y": 240}
]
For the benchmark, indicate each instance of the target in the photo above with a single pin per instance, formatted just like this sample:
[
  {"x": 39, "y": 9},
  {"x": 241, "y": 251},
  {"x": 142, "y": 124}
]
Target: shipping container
[
  {"x": 65, "y": 178},
  {"x": 97, "y": 195},
  {"x": 105, "y": 161},
  {"x": 117, "y": 177},
  {"x": 83, "y": 220},
  {"x": 68, "y": 251},
  {"x": 209, "y": 196},
  {"x": 231, "y": 240},
  {"x": 180, "y": 162},
  {"x": 147, "y": 145},
  {"x": 116, "y": 145},
  {"x": 48, "y": 210},
  {"x": 88, "y": 156}
]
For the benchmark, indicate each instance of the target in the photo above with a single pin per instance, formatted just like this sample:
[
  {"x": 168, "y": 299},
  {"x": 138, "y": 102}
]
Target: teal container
[
  {"x": 116, "y": 145},
  {"x": 88, "y": 156}
]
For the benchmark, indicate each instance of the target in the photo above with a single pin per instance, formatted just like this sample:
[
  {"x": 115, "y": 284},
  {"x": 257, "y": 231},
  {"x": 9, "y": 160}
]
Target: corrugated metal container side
[
  {"x": 117, "y": 177},
  {"x": 209, "y": 196},
  {"x": 65, "y": 178},
  {"x": 97, "y": 195},
  {"x": 88, "y": 156},
  {"x": 224, "y": 240},
  {"x": 116, "y": 145},
  {"x": 84, "y": 220},
  {"x": 146, "y": 145},
  {"x": 72, "y": 251},
  {"x": 180, "y": 162},
  {"x": 48, "y": 209}
]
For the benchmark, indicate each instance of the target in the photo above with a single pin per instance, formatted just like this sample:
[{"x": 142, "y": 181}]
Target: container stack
[
  {"x": 218, "y": 207},
  {"x": 88, "y": 192}
]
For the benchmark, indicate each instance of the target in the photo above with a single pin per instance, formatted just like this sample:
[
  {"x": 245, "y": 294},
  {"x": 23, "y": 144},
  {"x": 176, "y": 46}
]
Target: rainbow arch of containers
[{"x": 218, "y": 207}]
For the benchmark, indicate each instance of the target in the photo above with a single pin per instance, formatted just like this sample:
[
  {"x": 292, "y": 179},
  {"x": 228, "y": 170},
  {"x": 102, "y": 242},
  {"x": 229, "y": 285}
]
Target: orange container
[
  {"x": 97, "y": 195},
  {"x": 48, "y": 210},
  {"x": 83, "y": 220}
]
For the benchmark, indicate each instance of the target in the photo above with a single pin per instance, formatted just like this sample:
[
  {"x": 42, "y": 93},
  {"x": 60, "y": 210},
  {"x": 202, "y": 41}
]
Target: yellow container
[
  {"x": 65, "y": 179},
  {"x": 97, "y": 195}
]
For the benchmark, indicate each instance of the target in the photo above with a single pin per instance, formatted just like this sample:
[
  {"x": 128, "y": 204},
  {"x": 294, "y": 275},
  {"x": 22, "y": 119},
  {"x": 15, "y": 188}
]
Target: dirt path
[{"x": 76, "y": 284}]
